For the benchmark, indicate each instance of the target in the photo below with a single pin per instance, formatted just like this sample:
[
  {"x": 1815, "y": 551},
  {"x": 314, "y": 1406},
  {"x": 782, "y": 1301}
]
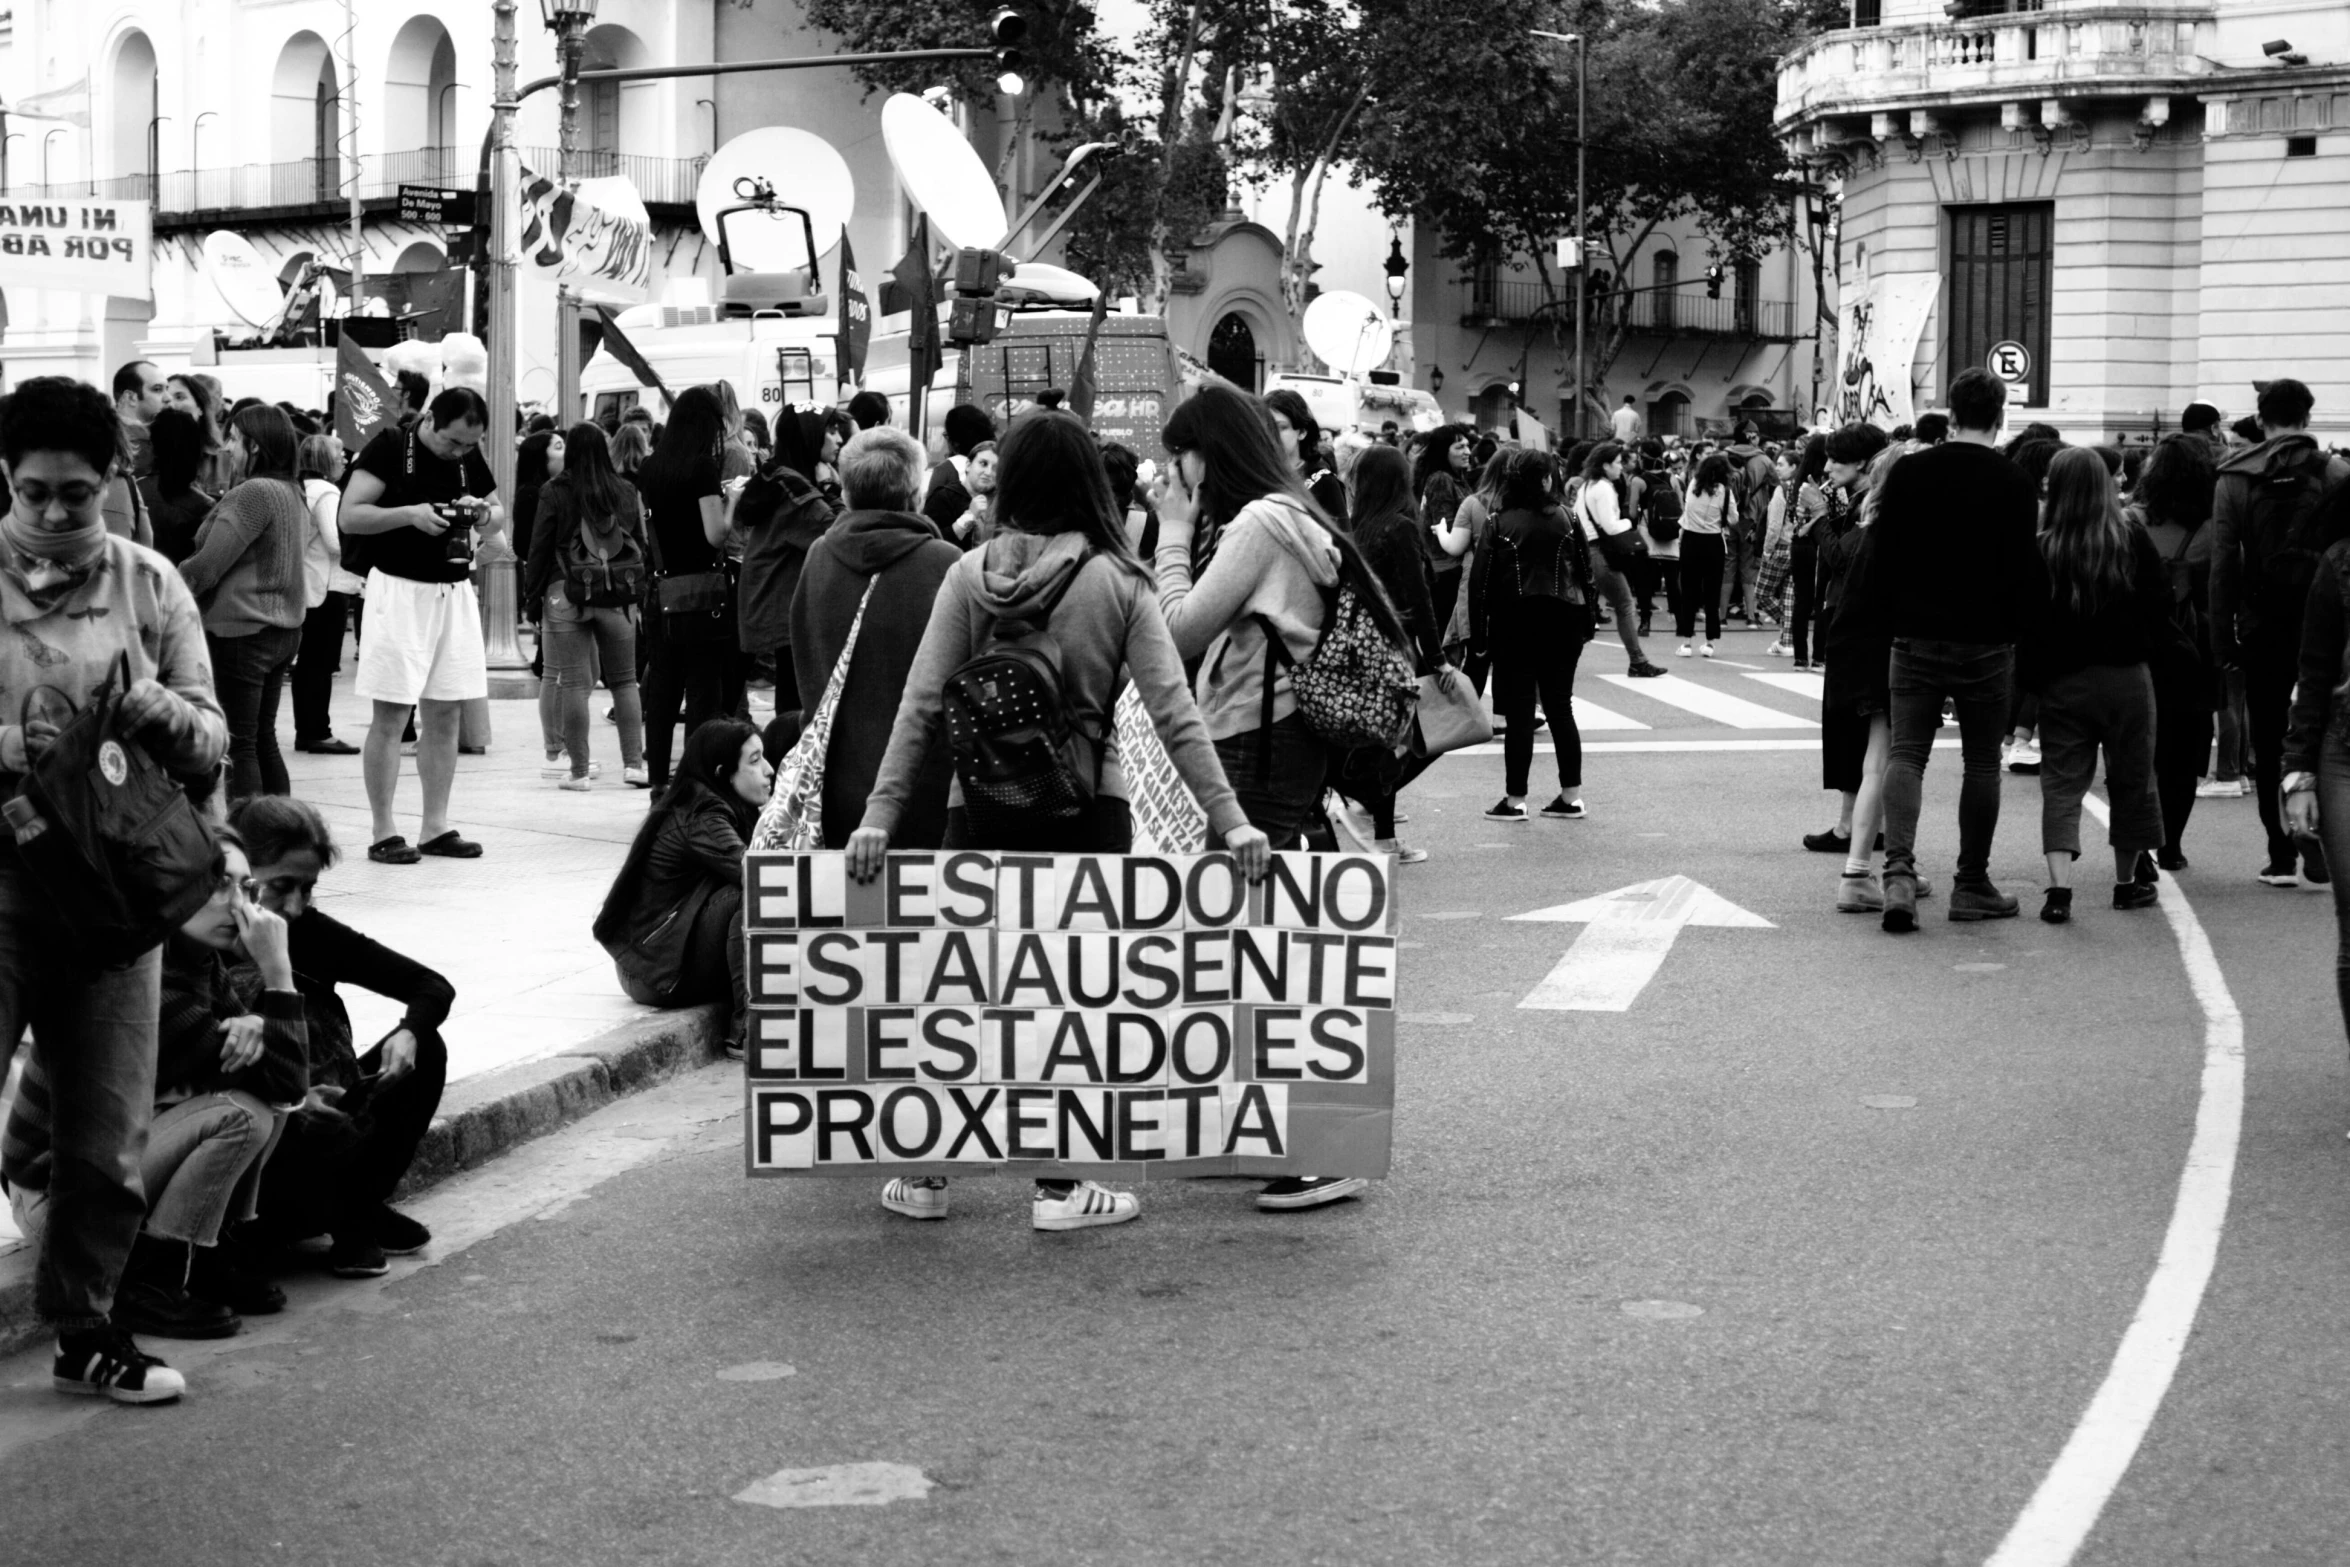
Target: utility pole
[
  {"x": 1582, "y": 260},
  {"x": 350, "y": 139},
  {"x": 504, "y": 347},
  {"x": 571, "y": 18}
]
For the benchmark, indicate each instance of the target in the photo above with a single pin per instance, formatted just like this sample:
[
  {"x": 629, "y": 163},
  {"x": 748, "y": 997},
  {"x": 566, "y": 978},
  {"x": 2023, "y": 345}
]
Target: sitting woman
[
  {"x": 673, "y": 920},
  {"x": 338, "y": 1161},
  {"x": 223, "y": 1073}
]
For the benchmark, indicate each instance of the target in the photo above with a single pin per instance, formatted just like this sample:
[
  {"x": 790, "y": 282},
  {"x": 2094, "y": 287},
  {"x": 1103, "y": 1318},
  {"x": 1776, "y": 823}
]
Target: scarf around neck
[{"x": 46, "y": 563}]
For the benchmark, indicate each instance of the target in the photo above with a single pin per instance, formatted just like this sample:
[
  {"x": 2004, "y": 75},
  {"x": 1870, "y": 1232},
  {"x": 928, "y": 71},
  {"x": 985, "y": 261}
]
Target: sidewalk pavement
[{"x": 541, "y": 1033}]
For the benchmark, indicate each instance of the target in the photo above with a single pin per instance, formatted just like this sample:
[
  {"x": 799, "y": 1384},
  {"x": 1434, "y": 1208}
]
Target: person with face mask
[{"x": 81, "y": 604}]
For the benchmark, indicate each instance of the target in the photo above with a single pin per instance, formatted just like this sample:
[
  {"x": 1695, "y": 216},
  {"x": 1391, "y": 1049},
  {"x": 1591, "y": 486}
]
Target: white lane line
[
  {"x": 1706, "y": 702},
  {"x": 1810, "y": 687},
  {"x": 1590, "y": 716},
  {"x": 1723, "y": 663},
  {"x": 2057, "y": 1521},
  {"x": 1665, "y": 747}
]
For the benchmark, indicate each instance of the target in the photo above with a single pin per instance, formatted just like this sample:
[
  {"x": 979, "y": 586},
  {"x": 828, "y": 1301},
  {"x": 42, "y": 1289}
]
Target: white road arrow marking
[{"x": 1625, "y": 938}]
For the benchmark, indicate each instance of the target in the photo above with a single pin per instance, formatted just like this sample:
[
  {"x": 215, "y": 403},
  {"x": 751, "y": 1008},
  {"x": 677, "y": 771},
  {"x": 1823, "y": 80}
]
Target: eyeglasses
[
  {"x": 243, "y": 886},
  {"x": 73, "y": 497}
]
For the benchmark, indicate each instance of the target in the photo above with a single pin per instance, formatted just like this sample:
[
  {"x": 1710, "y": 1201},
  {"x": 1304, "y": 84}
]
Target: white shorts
[{"x": 421, "y": 641}]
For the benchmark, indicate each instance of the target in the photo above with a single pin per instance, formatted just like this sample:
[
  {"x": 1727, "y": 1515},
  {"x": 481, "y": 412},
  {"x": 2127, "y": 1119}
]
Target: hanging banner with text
[
  {"x": 1128, "y": 1016},
  {"x": 95, "y": 247}
]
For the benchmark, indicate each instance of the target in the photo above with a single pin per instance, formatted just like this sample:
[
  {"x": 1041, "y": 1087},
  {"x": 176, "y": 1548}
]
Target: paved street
[{"x": 1815, "y": 1254}]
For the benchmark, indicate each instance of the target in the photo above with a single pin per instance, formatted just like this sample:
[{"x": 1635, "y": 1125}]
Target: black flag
[
  {"x": 924, "y": 353},
  {"x": 856, "y": 317}
]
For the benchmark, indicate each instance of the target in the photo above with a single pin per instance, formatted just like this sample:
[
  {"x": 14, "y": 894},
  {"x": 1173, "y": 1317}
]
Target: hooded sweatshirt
[
  {"x": 1272, "y": 560},
  {"x": 905, "y": 560},
  {"x": 2235, "y": 574},
  {"x": 783, "y": 515},
  {"x": 1108, "y": 632}
]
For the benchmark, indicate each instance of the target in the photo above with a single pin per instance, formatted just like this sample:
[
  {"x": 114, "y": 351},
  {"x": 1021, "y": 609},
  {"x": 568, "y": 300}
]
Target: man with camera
[{"x": 422, "y": 495}]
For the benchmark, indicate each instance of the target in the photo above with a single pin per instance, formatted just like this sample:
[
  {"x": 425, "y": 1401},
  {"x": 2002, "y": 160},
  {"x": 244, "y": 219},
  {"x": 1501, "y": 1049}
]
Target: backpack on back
[
  {"x": 1359, "y": 686},
  {"x": 604, "y": 567},
  {"x": 1661, "y": 509},
  {"x": 1009, "y": 729},
  {"x": 2282, "y": 539}
]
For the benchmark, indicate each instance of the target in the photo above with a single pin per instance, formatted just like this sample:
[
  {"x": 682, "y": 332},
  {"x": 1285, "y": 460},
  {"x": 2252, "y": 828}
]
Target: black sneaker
[
  {"x": 2280, "y": 873},
  {"x": 107, "y": 1363},
  {"x": 2056, "y": 905},
  {"x": 1829, "y": 842},
  {"x": 1502, "y": 811},
  {"x": 1308, "y": 1191},
  {"x": 2314, "y": 869},
  {"x": 169, "y": 1311},
  {"x": 1563, "y": 809},
  {"x": 1644, "y": 670},
  {"x": 397, "y": 1235},
  {"x": 2171, "y": 860},
  {"x": 216, "y": 1277},
  {"x": 2134, "y": 895},
  {"x": 356, "y": 1259}
]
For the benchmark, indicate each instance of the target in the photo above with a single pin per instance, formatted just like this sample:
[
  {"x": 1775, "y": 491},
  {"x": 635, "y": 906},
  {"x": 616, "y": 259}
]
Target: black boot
[
  {"x": 154, "y": 1297},
  {"x": 216, "y": 1275}
]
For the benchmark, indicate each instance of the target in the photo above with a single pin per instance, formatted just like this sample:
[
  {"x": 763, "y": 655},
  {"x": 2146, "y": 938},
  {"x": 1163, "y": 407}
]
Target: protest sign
[
  {"x": 95, "y": 247},
  {"x": 1131, "y": 1016}
]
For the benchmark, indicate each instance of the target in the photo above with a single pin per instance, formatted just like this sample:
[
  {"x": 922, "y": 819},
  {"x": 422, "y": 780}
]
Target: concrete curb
[{"x": 483, "y": 1117}]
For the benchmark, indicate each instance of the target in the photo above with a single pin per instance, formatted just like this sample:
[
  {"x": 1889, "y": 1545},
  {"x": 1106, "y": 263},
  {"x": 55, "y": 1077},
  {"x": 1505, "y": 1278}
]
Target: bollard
[{"x": 496, "y": 574}]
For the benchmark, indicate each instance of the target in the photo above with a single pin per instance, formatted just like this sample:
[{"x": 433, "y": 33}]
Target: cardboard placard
[{"x": 1133, "y": 1016}]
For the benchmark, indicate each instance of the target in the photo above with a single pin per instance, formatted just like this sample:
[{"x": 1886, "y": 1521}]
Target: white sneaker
[
  {"x": 916, "y": 1197},
  {"x": 1705, "y": 650},
  {"x": 1404, "y": 853},
  {"x": 2220, "y": 789},
  {"x": 571, "y": 785},
  {"x": 1349, "y": 817},
  {"x": 1682, "y": 651},
  {"x": 638, "y": 777},
  {"x": 1086, "y": 1206},
  {"x": 560, "y": 767},
  {"x": 2024, "y": 756},
  {"x": 1779, "y": 649}
]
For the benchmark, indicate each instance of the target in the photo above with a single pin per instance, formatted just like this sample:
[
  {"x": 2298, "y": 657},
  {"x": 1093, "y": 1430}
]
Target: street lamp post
[
  {"x": 196, "y": 156},
  {"x": 45, "y": 141},
  {"x": 155, "y": 155},
  {"x": 1582, "y": 265},
  {"x": 568, "y": 20}
]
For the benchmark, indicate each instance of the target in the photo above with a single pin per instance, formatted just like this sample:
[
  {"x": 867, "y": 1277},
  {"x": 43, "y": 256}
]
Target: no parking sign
[{"x": 2010, "y": 361}]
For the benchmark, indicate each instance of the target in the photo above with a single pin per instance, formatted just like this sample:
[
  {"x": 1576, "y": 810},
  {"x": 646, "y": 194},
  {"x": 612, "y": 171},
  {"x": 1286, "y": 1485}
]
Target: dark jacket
[
  {"x": 782, "y": 515},
  {"x": 327, "y": 953},
  {"x": 2321, "y": 699},
  {"x": 2237, "y": 557},
  {"x": 947, "y": 500},
  {"x": 1391, "y": 548},
  {"x": 1526, "y": 554},
  {"x": 2122, "y": 629},
  {"x": 558, "y": 520},
  {"x": 905, "y": 560},
  {"x": 199, "y": 995},
  {"x": 1955, "y": 553},
  {"x": 692, "y": 859}
]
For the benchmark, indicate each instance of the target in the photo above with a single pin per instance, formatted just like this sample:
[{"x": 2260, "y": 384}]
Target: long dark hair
[
  {"x": 1380, "y": 490},
  {"x": 1234, "y": 433},
  {"x": 1433, "y": 448},
  {"x": 270, "y": 446},
  {"x": 587, "y": 468},
  {"x": 1050, "y": 479},
  {"x": 1812, "y": 467},
  {"x": 531, "y": 459},
  {"x": 708, "y": 757},
  {"x": 693, "y": 436},
  {"x": 1712, "y": 474},
  {"x": 2177, "y": 481},
  {"x": 1289, "y": 405},
  {"x": 180, "y": 443},
  {"x": 798, "y": 442},
  {"x": 2084, "y": 536}
]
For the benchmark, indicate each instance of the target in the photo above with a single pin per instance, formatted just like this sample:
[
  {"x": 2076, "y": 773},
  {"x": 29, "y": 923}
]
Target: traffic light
[
  {"x": 977, "y": 272},
  {"x": 1009, "y": 30},
  {"x": 1713, "y": 281}
]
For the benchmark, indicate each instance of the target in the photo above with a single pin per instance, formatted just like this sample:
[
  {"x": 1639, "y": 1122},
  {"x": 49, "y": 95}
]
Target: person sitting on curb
[
  {"x": 673, "y": 920},
  {"x": 223, "y": 1074},
  {"x": 339, "y": 1161}
]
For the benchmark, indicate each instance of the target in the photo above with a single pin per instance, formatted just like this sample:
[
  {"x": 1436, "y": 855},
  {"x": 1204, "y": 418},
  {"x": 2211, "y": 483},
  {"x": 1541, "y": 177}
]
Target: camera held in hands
[{"x": 463, "y": 515}]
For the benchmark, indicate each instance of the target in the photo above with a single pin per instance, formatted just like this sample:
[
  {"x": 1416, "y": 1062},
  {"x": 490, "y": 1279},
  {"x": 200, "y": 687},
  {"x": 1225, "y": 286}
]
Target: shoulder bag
[{"x": 793, "y": 817}]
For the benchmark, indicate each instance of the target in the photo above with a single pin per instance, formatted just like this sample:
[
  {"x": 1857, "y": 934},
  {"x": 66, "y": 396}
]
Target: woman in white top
[
  {"x": 327, "y": 591},
  {"x": 1707, "y": 512},
  {"x": 1600, "y": 503}
]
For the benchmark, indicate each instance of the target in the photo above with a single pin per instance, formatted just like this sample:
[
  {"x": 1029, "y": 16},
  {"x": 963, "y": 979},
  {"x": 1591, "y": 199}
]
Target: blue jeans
[
  {"x": 203, "y": 1164},
  {"x": 577, "y": 640},
  {"x": 1975, "y": 677},
  {"x": 249, "y": 675},
  {"x": 95, "y": 1032},
  {"x": 1277, "y": 774}
]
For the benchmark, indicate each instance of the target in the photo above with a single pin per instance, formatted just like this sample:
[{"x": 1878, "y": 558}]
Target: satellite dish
[
  {"x": 1347, "y": 332},
  {"x": 243, "y": 278},
  {"x": 803, "y": 171},
  {"x": 1034, "y": 283},
  {"x": 942, "y": 174}
]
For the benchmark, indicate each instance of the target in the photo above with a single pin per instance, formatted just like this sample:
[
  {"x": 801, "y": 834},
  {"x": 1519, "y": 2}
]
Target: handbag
[
  {"x": 1450, "y": 715},
  {"x": 1618, "y": 549},
  {"x": 793, "y": 817},
  {"x": 696, "y": 606}
]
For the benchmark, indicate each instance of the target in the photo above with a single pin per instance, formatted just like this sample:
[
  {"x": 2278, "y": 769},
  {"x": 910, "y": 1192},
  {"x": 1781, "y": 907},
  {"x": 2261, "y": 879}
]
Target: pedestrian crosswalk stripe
[
  {"x": 1706, "y": 702},
  {"x": 1810, "y": 687},
  {"x": 1590, "y": 715}
]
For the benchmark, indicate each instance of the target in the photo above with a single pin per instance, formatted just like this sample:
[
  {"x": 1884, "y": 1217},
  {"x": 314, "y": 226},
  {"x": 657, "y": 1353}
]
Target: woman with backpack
[
  {"x": 1059, "y": 566},
  {"x": 1387, "y": 530},
  {"x": 1660, "y": 531},
  {"x": 2108, "y": 619},
  {"x": 587, "y": 571},
  {"x": 781, "y": 516},
  {"x": 2174, "y": 502},
  {"x": 1530, "y": 606},
  {"x": 1707, "y": 515}
]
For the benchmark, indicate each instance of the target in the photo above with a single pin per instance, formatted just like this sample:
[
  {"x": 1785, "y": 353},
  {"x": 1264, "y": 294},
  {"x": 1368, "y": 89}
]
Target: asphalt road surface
[{"x": 1818, "y": 1253}]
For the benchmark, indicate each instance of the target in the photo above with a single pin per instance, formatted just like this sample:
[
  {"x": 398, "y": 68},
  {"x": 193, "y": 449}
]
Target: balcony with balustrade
[
  {"x": 1994, "y": 57},
  {"x": 1491, "y": 301},
  {"x": 312, "y": 188}
]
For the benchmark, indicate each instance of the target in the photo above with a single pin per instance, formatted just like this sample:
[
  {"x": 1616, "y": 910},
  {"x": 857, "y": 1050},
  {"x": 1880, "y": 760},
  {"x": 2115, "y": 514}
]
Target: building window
[
  {"x": 1665, "y": 273},
  {"x": 327, "y": 132},
  {"x": 2300, "y": 146},
  {"x": 2000, "y": 259},
  {"x": 1668, "y": 414},
  {"x": 1867, "y": 13},
  {"x": 1746, "y": 295}
]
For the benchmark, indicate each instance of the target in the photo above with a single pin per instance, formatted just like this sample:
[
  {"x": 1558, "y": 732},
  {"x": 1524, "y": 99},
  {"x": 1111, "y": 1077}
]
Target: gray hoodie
[
  {"x": 1273, "y": 560},
  {"x": 1108, "y": 630}
]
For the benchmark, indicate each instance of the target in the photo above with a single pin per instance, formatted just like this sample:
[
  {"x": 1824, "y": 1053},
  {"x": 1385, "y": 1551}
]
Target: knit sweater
[
  {"x": 1272, "y": 560},
  {"x": 1108, "y": 632},
  {"x": 247, "y": 571},
  {"x": 61, "y": 649}
]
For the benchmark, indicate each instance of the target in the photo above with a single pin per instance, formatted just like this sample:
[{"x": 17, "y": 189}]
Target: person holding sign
[
  {"x": 1059, "y": 559},
  {"x": 1276, "y": 560}
]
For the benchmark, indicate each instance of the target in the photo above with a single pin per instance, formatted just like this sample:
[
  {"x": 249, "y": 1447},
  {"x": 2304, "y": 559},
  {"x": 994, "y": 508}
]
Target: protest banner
[
  {"x": 1167, "y": 820},
  {"x": 593, "y": 235},
  {"x": 95, "y": 247},
  {"x": 1123, "y": 1016}
]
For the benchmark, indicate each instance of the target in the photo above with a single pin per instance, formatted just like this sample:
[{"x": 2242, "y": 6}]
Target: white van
[
  {"x": 1340, "y": 403},
  {"x": 770, "y": 360}
]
